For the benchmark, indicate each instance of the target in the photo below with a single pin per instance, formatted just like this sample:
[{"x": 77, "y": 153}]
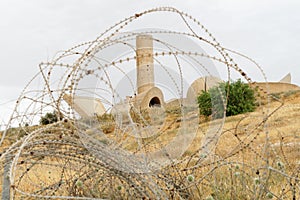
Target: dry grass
[{"x": 251, "y": 160}]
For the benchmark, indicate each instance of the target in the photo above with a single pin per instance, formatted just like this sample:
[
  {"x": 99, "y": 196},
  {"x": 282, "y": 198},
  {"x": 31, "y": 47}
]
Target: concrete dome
[{"x": 201, "y": 84}]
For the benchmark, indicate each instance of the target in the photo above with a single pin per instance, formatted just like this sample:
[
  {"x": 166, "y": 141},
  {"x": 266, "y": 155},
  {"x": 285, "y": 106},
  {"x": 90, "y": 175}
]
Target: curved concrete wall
[
  {"x": 142, "y": 101},
  {"x": 203, "y": 83},
  {"x": 85, "y": 106},
  {"x": 277, "y": 87}
]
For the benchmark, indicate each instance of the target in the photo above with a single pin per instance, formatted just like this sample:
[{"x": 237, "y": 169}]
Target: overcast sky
[{"x": 32, "y": 31}]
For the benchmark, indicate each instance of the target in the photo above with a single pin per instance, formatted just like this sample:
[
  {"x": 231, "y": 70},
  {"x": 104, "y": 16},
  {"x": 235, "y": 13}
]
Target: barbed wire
[{"x": 134, "y": 156}]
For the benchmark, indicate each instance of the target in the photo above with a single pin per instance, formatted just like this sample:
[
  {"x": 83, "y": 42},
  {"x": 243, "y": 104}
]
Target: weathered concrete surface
[
  {"x": 201, "y": 84},
  {"x": 144, "y": 63},
  {"x": 85, "y": 106},
  {"x": 148, "y": 95},
  {"x": 277, "y": 87},
  {"x": 286, "y": 79},
  {"x": 142, "y": 101}
]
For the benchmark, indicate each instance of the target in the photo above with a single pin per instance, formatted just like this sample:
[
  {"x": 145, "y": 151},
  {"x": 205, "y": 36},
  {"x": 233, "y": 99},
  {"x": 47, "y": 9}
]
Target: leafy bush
[
  {"x": 241, "y": 99},
  {"x": 49, "y": 118},
  {"x": 204, "y": 101}
]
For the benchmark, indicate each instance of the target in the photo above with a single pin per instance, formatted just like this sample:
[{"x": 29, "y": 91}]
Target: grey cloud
[{"x": 33, "y": 31}]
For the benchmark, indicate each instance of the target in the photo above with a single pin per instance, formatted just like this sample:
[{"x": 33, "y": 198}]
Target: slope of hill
[{"x": 254, "y": 156}]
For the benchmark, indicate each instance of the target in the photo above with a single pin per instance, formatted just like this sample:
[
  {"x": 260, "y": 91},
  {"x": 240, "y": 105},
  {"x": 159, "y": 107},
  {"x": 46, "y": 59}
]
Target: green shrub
[
  {"x": 49, "y": 118},
  {"x": 204, "y": 101},
  {"x": 241, "y": 99}
]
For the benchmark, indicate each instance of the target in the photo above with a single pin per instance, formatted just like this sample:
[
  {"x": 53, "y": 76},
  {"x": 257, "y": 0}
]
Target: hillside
[{"x": 256, "y": 156}]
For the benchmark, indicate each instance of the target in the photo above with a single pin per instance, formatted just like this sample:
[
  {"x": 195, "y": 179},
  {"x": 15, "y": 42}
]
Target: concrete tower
[
  {"x": 147, "y": 94},
  {"x": 144, "y": 63}
]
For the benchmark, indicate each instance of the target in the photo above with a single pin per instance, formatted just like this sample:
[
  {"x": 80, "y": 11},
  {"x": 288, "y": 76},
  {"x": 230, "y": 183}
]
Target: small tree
[
  {"x": 241, "y": 99},
  {"x": 49, "y": 118}
]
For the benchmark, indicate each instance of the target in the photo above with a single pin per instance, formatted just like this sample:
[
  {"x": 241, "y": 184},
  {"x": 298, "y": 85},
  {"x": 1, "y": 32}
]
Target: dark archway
[{"x": 154, "y": 102}]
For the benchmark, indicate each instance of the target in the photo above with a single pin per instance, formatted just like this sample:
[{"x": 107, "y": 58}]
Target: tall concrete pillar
[{"x": 144, "y": 63}]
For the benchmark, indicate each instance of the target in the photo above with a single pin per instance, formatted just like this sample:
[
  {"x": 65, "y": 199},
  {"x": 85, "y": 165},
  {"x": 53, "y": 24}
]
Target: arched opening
[{"x": 154, "y": 102}]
